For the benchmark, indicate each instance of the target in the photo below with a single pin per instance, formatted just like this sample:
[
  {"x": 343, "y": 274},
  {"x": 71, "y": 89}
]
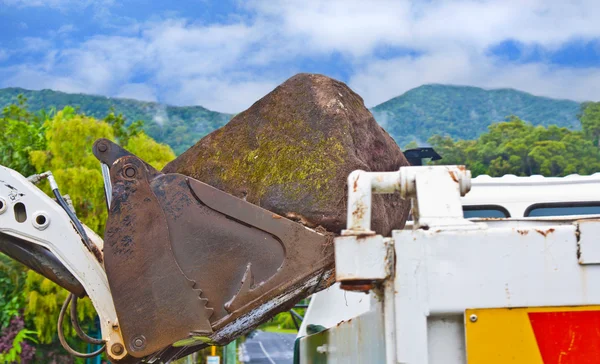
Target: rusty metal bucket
[{"x": 188, "y": 264}]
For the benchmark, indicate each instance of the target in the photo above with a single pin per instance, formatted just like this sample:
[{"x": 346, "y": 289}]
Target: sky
[{"x": 225, "y": 55}]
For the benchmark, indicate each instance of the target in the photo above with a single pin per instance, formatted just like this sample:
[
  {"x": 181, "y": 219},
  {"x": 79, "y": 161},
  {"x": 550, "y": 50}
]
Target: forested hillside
[
  {"x": 456, "y": 111},
  {"x": 179, "y": 127},
  {"x": 520, "y": 148},
  {"x": 463, "y": 112}
]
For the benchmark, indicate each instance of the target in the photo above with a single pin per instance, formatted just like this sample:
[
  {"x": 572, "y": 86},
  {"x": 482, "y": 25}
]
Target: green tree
[
  {"x": 12, "y": 282},
  {"x": 155, "y": 154},
  {"x": 590, "y": 121},
  {"x": 121, "y": 131},
  {"x": 22, "y": 132},
  {"x": 61, "y": 142},
  {"x": 69, "y": 140},
  {"x": 519, "y": 148}
]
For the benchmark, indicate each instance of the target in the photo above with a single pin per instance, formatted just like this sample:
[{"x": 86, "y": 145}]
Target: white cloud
[
  {"x": 223, "y": 94},
  {"x": 452, "y": 37},
  {"x": 186, "y": 64},
  {"x": 359, "y": 26},
  {"x": 64, "y": 29},
  {"x": 384, "y": 79},
  {"x": 228, "y": 66},
  {"x": 137, "y": 91},
  {"x": 35, "y": 44}
]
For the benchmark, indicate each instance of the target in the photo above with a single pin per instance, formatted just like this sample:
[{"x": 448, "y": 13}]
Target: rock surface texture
[{"x": 291, "y": 153}]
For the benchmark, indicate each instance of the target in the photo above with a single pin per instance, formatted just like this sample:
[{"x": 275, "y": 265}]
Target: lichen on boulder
[{"x": 292, "y": 150}]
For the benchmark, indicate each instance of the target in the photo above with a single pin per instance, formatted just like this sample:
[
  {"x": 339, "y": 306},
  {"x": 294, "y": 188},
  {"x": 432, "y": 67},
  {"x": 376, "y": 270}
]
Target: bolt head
[
  {"x": 130, "y": 172},
  {"x": 138, "y": 342},
  {"x": 102, "y": 147},
  {"x": 117, "y": 349},
  {"x": 473, "y": 318}
]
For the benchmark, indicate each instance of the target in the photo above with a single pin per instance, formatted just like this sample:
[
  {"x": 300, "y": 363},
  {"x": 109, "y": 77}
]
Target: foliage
[
  {"x": 519, "y": 148},
  {"x": 63, "y": 144},
  {"x": 465, "y": 112},
  {"x": 284, "y": 321},
  {"x": 414, "y": 116},
  {"x": 13, "y": 347},
  {"x": 44, "y": 300},
  {"x": 590, "y": 120},
  {"x": 155, "y": 154},
  {"x": 123, "y": 133},
  {"x": 69, "y": 138},
  {"x": 12, "y": 281},
  {"x": 22, "y": 132},
  {"x": 179, "y": 127}
]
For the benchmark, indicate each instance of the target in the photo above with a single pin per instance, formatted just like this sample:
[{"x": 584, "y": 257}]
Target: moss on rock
[{"x": 292, "y": 151}]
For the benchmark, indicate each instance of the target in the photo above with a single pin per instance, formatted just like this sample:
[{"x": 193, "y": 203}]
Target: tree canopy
[
  {"x": 61, "y": 142},
  {"x": 519, "y": 148}
]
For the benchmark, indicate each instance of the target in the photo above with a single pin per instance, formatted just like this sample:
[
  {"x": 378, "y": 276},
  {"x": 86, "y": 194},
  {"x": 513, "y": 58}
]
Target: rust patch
[
  {"x": 343, "y": 321},
  {"x": 545, "y": 232},
  {"x": 171, "y": 267},
  {"x": 299, "y": 218},
  {"x": 355, "y": 186},
  {"x": 523, "y": 232},
  {"x": 578, "y": 237},
  {"x": 357, "y": 286},
  {"x": 453, "y": 176},
  {"x": 359, "y": 212}
]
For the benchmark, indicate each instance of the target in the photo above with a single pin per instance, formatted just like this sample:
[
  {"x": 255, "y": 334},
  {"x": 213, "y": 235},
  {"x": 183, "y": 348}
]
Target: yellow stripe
[
  {"x": 501, "y": 336},
  {"x": 505, "y": 335}
]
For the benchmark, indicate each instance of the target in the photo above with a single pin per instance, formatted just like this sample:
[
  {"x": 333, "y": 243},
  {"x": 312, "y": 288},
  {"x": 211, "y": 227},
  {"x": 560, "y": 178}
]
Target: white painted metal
[
  {"x": 319, "y": 312},
  {"x": 357, "y": 340},
  {"x": 513, "y": 193},
  {"x": 62, "y": 240},
  {"x": 361, "y": 185},
  {"x": 516, "y": 194},
  {"x": 589, "y": 242},
  {"x": 446, "y": 339},
  {"x": 389, "y": 320},
  {"x": 443, "y": 273},
  {"x": 361, "y": 258},
  {"x": 435, "y": 193},
  {"x": 443, "y": 269},
  {"x": 424, "y": 182}
]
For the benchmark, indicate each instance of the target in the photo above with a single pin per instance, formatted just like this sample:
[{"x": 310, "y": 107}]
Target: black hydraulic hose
[
  {"x": 86, "y": 240},
  {"x": 82, "y": 335},
  {"x": 61, "y": 335}
]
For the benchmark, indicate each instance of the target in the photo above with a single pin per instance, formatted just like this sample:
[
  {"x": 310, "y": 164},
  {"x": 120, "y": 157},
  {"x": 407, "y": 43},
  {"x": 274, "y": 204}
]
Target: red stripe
[{"x": 571, "y": 337}]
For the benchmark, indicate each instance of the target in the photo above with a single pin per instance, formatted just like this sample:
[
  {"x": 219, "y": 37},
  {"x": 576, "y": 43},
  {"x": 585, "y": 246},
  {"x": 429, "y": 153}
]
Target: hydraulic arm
[{"x": 182, "y": 264}]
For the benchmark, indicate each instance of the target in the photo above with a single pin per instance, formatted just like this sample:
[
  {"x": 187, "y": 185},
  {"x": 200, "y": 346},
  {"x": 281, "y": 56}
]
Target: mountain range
[{"x": 462, "y": 112}]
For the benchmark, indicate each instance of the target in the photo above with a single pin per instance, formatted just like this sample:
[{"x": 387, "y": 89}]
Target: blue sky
[{"x": 225, "y": 55}]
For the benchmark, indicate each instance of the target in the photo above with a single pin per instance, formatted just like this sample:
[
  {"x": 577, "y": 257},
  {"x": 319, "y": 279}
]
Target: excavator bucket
[{"x": 188, "y": 264}]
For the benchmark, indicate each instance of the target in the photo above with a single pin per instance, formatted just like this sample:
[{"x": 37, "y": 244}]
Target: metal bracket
[
  {"x": 435, "y": 193},
  {"x": 364, "y": 258},
  {"x": 34, "y": 229}
]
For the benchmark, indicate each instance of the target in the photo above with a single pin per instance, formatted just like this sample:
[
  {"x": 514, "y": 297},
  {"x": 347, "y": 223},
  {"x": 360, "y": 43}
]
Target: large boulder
[{"x": 291, "y": 153}]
